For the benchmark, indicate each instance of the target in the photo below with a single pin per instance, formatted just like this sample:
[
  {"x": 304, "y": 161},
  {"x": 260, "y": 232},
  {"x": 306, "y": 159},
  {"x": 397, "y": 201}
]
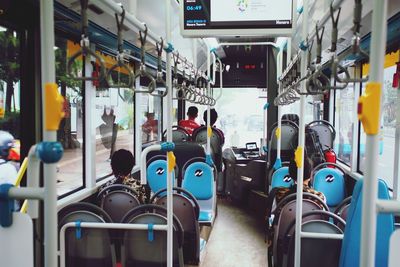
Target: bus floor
[{"x": 236, "y": 240}]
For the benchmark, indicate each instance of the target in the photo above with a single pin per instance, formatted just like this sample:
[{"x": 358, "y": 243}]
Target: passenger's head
[
  {"x": 6, "y": 143},
  {"x": 192, "y": 112},
  {"x": 122, "y": 162},
  {"x": 213, "y": 116},
  {"x": 150, "y": 115},
  {"x": 307, "y": 168}
]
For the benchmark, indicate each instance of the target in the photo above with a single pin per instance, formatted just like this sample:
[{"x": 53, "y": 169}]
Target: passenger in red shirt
[{"x": 190, "y": 124}]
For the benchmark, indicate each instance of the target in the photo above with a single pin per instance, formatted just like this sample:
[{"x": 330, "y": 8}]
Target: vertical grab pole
[
  {"x": 397, "y": 143},
  {"x": 169, "y": 138},
  {"x": 299, "y": 154},
  {"x": 371, "y": 115},
  {"x": 209, "y": 130},
  {"x": 278, "y": 162},
  {"x": 48, "y": 75}
]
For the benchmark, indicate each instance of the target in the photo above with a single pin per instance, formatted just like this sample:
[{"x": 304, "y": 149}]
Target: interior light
[
  {"x": 55, "y": 48},
  {"x": 2, "y": 29},
  {"x": 227, "y": 68}
]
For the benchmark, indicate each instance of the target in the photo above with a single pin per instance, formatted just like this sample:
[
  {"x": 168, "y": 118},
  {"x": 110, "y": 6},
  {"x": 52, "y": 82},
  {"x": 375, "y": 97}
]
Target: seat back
[
  {"x": 289, "y": 131},
  {"x": 281, "y": 178},
  {"x": 183, "y": 152},
  {"x": 149, "y": 248},
  {"x": 216, "y": 142},
  {"x": 199, "y": 180},
  {"x": 326, "y": 132},
  {"x": 157, "y": 175},
  {"x": 350, "y": 253},
  {"x": 118, "y": 203},
  {"x": 185, "y": 211},
  {"x": 179, "y": 134},
  {"x": 93, "y": 247},
  {"x": 343, "y": 208},
  {"x": 325, "y": 252},
  {"x": 286, "y": 218},
  {"x": 331, "y": 183}
]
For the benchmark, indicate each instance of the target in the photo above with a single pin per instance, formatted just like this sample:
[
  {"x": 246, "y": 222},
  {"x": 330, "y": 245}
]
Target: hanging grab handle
[
  {"x": 120, "y": 58},
  {"x": 335, "y": 30},
  {"x": 159, "y": 78},
  {"x": 85, "y": 50},
  {"x": 142, "y": 72}
]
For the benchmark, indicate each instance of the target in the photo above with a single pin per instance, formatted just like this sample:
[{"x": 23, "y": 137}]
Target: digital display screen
[
  {"x": 251, "y": 146},
  {"x": 236, "y": 14}
]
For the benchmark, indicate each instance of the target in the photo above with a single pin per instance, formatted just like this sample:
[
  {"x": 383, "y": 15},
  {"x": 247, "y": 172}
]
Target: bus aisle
[{"x": 236, "y": 240}]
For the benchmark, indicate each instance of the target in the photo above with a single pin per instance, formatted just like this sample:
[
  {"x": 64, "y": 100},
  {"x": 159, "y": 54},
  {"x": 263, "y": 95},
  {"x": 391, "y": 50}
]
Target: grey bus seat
[
  {"x": 343, "y": 208},
  {"x": 187, "y": 211},
  {"x": 117, "y": 200},
  {"x": 289, "y": 132},
  {"x": 149, "y": 248},
  {"x": 216, "y": 142},
  {"x": 326, "y": 132},
  {"x": 285, "y": 218},
  {"x": 179, "y": 134},
  {"x": 94, "y": 247},
  {"x": 315, "y": 252}
]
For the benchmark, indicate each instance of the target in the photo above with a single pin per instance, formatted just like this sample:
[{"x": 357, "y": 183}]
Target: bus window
[
  {"x": 70, "y": 134},
  {"x": 151, "y": 118},
  {"x": 344, "y": 121},
  {"x": 388, "y": 129},
  {"x": 10, "y": 119},
  {"x": 113, "y": 120},
  {"x": 240, "y": 121}
]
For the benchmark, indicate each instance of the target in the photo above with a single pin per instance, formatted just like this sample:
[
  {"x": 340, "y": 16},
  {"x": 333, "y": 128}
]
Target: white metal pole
[
  {"x": 299, "y": 203},
  {"x": 90, "y": 130},
  {"x": 369, "y": 214},
  {"x": 48, "y": 75},
  {"x": 278, "y": 162},
  {"x": 169, "y": 137},
  {"x": 208, "y": 106},
  {"x": 396, "y": 193}
]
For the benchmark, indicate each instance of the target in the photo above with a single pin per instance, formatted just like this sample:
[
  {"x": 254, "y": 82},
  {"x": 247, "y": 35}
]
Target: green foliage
[
  {"x": 11, "y": 123},
  {"x": 61, "y": 71},
  {"x": 9, "y": 57}
]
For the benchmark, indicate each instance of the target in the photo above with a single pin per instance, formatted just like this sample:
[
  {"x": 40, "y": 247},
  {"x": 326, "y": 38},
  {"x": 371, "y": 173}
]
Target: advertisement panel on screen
[{"x": 207, "y": 18}]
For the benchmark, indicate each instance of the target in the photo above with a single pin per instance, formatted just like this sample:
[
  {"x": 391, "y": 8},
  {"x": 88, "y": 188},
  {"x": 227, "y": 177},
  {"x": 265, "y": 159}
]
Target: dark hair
[
  {"x": 192, "y": 111},
  {"x": 122, "y": 162},
  {"x": 307, "y": 168},
  {"x": 213, "y": 116}
]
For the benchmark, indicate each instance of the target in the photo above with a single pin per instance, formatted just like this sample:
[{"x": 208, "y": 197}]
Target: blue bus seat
[
  {"x": 157, "y": 175},
  {"x": 281, "y": 178},
  {"x": 350, "y": 253},
  {"x": 199, "y": 180},
  {"x": 331, "y": 183}
]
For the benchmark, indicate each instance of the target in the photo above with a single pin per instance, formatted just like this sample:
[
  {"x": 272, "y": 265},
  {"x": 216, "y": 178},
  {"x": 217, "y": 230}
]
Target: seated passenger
[
  {"x": 279, "y": 193},
  {"x": 8, "y": 173},
  {"x": 122, "y": 162},
  {"x": 190, "y": 124},
  {"x": 213, "y": 119}
]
